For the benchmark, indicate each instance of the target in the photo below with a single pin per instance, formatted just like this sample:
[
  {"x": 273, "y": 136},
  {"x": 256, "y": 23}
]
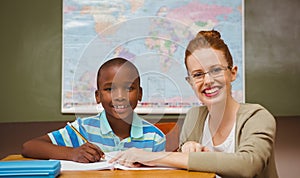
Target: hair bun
[{"x": 209, "y": 34}]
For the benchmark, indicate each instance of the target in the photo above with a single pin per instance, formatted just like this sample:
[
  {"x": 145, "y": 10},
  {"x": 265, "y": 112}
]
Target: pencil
[{"x": 77, "y": 132}]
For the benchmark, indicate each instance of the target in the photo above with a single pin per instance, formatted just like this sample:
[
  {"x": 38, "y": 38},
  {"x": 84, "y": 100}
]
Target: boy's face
[{"x": 119, "y": 91}]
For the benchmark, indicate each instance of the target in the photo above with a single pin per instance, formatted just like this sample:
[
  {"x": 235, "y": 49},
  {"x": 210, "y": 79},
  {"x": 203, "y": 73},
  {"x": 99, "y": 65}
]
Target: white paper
[
  {"x": 75, "y": 166},
  {"x": 142, "y": 168},
  {"x": 103, "y": 165}
]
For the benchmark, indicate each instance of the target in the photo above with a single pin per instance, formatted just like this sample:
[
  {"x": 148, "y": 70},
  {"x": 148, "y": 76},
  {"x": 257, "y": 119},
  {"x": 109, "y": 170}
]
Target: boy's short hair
[{"x": 118, "y": 61}]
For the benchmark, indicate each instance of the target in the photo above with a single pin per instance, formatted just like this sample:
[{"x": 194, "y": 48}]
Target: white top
[{"x": 228, "y": 146}]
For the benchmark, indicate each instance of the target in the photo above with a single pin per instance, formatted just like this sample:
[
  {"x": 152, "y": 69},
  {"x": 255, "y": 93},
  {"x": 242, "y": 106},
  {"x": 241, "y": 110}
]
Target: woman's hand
[
  {"x": 86, "y": 153},
  {"x": 192, "y": 146},
  {"x": 135, "y": 157}
]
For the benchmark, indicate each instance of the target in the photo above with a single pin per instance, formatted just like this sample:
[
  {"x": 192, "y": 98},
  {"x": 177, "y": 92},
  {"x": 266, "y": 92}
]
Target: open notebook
[{"x": 103, "y": 165}]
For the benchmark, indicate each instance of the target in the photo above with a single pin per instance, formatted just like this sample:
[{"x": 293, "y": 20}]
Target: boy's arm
[{"x": 42, "y": 148}]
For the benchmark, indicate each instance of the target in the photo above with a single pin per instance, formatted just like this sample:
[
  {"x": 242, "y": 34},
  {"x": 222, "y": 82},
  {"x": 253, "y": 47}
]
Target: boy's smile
[{"x": 119, "y": 91}]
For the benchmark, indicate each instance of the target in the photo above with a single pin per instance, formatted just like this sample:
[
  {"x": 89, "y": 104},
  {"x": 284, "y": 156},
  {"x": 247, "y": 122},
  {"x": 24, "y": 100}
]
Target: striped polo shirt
[{"x": 97, "y": 130}]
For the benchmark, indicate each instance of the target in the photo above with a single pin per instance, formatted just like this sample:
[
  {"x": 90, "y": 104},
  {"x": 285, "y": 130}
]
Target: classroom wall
[
  {"x": 272, "y": 34},
  {"x": 31, "y": 58}
]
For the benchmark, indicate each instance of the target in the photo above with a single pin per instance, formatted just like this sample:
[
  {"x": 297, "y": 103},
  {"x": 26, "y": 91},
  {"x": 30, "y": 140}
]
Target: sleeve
[
  {"x": 184, "y": 134},
  {"x": 192, "y": 126},
  {"x": 256, "y": 139},
  {"x": 66, "y": 136},
  {"x": 159, "y": 142}
]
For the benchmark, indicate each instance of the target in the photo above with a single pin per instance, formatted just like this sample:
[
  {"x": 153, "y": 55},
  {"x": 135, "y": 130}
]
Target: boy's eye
[
  {"x": 107, "y": 89},
  {"x": 129, "y": 88}
]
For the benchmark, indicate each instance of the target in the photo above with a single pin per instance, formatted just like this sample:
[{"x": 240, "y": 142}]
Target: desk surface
[{"x": 122, "y": 173}]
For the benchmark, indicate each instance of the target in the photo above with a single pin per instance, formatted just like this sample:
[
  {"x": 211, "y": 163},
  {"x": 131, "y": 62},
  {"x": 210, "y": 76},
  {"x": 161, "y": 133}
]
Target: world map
[{"x": 151, "y": 34}]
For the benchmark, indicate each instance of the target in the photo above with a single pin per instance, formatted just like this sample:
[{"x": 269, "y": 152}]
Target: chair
[{"x": 172, "y": 131}]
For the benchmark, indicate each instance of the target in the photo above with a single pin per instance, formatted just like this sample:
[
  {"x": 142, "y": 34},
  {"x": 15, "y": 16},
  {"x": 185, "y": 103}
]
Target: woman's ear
[
  {"x": 233, "y": 72},
  {"x": 97, "y": 96},
  {"x": 188, "y": 79}
]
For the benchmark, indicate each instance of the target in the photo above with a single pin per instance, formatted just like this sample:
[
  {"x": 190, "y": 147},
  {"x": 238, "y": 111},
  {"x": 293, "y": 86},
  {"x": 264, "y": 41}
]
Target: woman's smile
[{"x": 211, "y": 91}]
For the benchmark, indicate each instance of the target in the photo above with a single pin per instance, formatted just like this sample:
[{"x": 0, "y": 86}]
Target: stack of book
[{"x": 30, "y": 168}]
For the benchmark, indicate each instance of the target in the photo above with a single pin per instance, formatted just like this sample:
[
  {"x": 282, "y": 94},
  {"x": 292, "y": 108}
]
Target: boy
[{"x": 118, "y": 127}]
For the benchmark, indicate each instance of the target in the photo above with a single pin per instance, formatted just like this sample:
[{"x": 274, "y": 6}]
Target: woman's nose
[{"x": 208, "y": 79}]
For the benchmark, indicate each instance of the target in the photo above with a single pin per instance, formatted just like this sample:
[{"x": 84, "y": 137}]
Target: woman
[{"x": 223, "y": 136}]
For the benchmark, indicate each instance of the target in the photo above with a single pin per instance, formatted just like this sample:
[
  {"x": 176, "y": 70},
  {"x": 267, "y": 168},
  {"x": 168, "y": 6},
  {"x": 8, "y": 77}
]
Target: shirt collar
[
  {"x": 136, "y": 126},
  {"x": 104, "y": 125}
]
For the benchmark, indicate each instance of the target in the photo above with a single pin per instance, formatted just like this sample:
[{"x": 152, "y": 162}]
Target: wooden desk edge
[
  {"x": 117, "y": 173},
  {"x": 15, "y": 157}
]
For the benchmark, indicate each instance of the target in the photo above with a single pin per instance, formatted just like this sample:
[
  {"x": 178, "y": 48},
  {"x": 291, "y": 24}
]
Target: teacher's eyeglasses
[{"x": 214, "y": 72}]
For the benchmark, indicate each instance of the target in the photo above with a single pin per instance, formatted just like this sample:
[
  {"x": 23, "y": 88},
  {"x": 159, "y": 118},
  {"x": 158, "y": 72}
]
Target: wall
[
  {"x": 272, "y": 55},
  {"x": 31, "y": 58}
]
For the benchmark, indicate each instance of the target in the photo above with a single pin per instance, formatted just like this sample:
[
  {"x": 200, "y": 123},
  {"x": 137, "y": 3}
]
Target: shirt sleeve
[
  {"x": 159, "y": 142},
  {"x": 192, "y": 126},
  {"x": 66, "y": 136}
]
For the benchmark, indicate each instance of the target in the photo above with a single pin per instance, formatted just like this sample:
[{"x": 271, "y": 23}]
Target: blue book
[{"x": 30, "y": 168}]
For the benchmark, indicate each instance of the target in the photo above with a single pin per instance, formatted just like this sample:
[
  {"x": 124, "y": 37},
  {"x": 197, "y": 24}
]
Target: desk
[{"x": 122, "y": 173}]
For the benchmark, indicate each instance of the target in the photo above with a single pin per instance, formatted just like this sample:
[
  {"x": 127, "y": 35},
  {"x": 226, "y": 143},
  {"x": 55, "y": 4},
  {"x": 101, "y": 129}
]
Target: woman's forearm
[{"x": 172, "y": 159}]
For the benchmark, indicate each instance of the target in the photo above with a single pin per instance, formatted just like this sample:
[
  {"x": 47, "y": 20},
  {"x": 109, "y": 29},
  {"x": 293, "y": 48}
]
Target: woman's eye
[
  {"x": 198, "y": 74},
  {"x": 216, "y": 70}
]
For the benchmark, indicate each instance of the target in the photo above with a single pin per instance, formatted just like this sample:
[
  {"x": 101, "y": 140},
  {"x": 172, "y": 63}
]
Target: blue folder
[{"x": 30, "y": 168}]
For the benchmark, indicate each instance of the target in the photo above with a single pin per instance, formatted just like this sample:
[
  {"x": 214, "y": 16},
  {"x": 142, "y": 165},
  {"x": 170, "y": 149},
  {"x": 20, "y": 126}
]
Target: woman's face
[{"x": 210, "y": 76}]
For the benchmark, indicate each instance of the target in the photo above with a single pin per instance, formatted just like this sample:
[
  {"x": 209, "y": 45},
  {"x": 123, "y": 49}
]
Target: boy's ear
[
  {"x": 140, "y": 94},
  {"x": 97, "y": 96}
]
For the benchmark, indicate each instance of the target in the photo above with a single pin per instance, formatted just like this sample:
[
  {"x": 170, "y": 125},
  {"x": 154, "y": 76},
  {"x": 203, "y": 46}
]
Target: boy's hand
[
  {"x": 192, "y": 146},
  {"x": 86, "y": 153}
]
